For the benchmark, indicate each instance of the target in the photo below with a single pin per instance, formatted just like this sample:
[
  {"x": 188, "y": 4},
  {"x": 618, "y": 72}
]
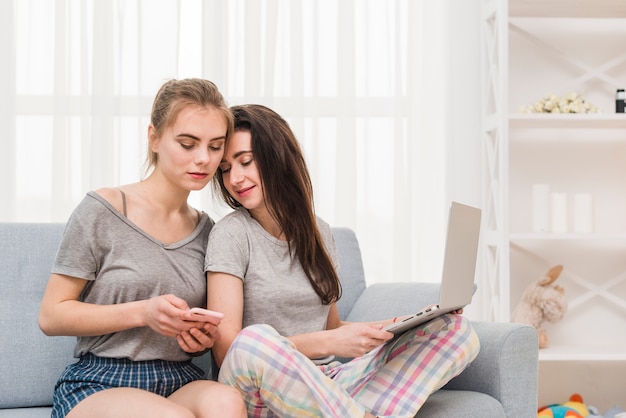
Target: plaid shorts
[{"x": 92, "y": 374}]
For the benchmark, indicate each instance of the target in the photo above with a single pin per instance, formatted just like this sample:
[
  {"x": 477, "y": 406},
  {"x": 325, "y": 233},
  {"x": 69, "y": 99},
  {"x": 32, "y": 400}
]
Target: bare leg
[
  {"x": 199, "y": 399},
  {"x": 128, "y": 402},
  {"x": 209, "y": 399}
]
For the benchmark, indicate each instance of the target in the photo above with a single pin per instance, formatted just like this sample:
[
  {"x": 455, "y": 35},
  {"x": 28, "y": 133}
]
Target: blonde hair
[{"x": 175, "y": 95}]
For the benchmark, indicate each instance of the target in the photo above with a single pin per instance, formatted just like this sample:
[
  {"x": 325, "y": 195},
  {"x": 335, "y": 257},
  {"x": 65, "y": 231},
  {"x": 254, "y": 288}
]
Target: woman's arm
[
  {"x": 225, "y": 295},
  {"x": 62, "y": 313},
  {"x": 335, "y": 322},
  {"x": 344, "y": 339}
]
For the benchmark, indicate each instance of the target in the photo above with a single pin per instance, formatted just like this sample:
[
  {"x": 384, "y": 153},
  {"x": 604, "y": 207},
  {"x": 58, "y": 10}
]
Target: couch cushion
[
  {"x": 31, "y": 361},
  {"x": 461, "y": 404},
  {"x": 26, "y": 413}
]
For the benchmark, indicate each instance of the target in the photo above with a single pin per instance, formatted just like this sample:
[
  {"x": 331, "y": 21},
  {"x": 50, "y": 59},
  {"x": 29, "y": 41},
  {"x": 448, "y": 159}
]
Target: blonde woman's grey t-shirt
[
  {"x": 276, "y": 289},
  {"x": 124, "y": 264}
]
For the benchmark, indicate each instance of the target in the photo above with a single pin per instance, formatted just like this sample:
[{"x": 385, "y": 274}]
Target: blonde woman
[{"x": 129, "y": 268}]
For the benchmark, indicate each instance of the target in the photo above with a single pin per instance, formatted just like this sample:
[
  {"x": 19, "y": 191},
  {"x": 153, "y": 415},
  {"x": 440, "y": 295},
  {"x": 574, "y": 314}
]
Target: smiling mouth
[{"x": 242, "y": 192}]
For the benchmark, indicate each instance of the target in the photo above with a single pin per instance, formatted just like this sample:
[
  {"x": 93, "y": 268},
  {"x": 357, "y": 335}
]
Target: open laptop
[{"x": 459, "y": 268}]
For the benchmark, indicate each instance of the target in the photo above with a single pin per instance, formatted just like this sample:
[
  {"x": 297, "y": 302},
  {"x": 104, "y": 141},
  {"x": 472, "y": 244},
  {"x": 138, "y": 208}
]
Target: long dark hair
[{"x": 288, "y": 193}]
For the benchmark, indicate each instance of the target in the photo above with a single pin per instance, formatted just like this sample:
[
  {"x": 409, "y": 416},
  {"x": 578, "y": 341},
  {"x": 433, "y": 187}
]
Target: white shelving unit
[
  {"x": 567, "y": 121},
  {"x": 532, "y": 48}
]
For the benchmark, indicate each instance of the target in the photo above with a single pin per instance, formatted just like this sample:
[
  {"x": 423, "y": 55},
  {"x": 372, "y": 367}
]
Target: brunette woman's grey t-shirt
[
  {"x": 122, "y": 263},
  {"x": 276, "y": 290}
]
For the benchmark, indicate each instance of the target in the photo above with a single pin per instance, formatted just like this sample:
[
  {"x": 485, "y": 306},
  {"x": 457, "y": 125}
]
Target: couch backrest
[
  {"x": 31, "y": 361},
  {"x": 351, "y": 271}
]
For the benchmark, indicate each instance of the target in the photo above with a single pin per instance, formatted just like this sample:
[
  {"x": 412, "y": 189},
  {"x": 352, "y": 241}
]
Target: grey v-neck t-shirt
[
  {"x": 122, "y": 264},
  {"x": 276, "y": 289}
]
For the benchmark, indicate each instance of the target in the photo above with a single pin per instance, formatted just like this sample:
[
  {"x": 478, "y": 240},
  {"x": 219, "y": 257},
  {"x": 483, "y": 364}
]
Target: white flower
[{"x": 572, "y": 103}]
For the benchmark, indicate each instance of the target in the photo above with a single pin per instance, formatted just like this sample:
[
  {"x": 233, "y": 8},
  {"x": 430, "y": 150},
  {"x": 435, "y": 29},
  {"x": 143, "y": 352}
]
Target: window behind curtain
[{"x": 361, "y": 82}]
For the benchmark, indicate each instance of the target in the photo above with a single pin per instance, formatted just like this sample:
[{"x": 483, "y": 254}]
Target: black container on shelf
[{"x": 619, "y": 101}]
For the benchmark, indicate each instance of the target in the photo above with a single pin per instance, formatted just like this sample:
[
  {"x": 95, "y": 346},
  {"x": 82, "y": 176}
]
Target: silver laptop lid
[{"x": 460, "y": 256}]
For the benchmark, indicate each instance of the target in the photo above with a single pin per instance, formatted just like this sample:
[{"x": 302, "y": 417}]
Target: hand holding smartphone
[{"x": 205, "y": 315}]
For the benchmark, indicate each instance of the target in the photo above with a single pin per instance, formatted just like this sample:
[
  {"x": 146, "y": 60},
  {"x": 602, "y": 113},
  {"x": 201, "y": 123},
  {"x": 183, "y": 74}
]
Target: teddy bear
[{"x": 542, "y": 301}]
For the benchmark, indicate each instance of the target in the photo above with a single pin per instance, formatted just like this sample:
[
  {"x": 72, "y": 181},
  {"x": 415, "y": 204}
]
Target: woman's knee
[
  {"x": 466, "y": 336},
  {"x": 465, "y": 327},
  {"x": 231, "y": 401},
  {"x": 259, "y": 332},
  {"x": 254, "y": 338},
  {"x": 254, "y": 348},
  {"x": 206, "y": 398},
  {"x": 226, "y": 401},
  {"x": 128, "y": 402},
  {"x": 452, "y": 327}
]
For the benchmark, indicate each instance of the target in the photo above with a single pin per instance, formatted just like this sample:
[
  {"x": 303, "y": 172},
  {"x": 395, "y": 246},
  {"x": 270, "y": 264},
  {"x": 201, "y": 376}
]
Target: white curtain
[{"x": 366, "y": 86}]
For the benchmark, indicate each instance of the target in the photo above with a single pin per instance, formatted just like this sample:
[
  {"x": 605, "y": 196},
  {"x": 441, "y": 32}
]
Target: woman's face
[
  {"x": 190, "y": 150},
  {"x": 240, "y": 173}
]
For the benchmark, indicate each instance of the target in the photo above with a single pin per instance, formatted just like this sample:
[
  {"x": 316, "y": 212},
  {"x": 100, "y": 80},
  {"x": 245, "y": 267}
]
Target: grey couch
[{"x": 501, "y": 382}]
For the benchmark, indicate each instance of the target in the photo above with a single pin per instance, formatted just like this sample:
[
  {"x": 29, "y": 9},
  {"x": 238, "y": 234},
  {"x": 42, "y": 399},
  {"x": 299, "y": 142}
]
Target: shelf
[
  {"x": 571, "y": 236},
  {"x": 567, "y": 121},
  {"x": 533, "y": 47},
  {"x": 545, "y": 242},
  {"x": 569, "y": 353},
  {"x": 568, "y": 8}
]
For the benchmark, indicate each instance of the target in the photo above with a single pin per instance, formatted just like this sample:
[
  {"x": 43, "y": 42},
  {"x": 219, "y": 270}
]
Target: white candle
[
  {"x": 583, "y": 212},
  {"x": 541, "y": 207},
  {"x": 558, "y": 212}
]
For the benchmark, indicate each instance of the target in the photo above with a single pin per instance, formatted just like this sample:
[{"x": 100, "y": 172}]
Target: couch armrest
[{"x": 505, "y": 368}]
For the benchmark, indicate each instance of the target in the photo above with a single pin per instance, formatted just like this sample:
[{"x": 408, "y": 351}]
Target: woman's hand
[
  {"x": 356, "y": 339},
  {"x": 165, "y": 314},
  {"x": 198, "y": 339},
  {"x": 343, "y": 339}
]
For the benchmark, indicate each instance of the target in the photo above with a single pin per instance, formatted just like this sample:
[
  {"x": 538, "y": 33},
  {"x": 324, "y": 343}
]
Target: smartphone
[{"x": 205, "y": 315}]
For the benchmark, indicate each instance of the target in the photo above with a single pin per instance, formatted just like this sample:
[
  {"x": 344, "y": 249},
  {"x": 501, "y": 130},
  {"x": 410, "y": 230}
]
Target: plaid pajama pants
[{"x": 393, "y": 380}]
